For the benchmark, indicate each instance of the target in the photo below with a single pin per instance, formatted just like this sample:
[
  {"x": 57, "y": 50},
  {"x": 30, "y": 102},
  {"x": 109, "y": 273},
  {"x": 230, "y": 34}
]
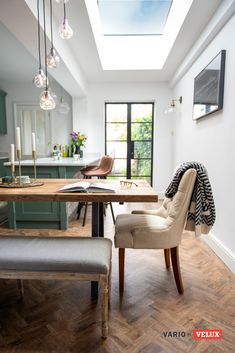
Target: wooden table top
[{"x": 50, "y": 192}]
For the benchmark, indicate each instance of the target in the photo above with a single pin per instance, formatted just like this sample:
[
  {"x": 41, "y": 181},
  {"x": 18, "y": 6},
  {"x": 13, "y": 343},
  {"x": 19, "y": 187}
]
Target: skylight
[
  {"x": 133, "y": 17},
  {"x": 125, "y": 48}
]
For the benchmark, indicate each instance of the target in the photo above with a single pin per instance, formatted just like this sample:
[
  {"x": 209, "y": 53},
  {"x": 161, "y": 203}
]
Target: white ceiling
[
  {"x": 17, "y": 63},
  {"x": 84, "y": 46}
]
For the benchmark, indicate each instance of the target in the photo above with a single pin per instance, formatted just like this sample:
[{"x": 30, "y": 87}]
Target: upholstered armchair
[{"x": 159, "y": 229}]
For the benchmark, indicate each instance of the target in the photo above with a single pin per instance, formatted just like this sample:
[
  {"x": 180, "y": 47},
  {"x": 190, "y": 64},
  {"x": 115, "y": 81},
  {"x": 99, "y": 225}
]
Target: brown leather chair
[{"x": 101, "y": 172}]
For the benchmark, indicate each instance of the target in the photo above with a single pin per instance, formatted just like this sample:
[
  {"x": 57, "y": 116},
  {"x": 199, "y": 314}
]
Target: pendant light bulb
[
  {"x": 47, "y": 102},
  {"x": 53, "y": 59},
  {"x": 65, "y": 31},
  {"x": 40, "y": 79}
]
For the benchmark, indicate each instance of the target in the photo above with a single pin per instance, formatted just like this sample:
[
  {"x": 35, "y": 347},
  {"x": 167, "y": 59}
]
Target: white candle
[
  {"x": 12, "y": 153},
  {"x": 33, "y": 142},
  {"x": 18, "y": 144}
]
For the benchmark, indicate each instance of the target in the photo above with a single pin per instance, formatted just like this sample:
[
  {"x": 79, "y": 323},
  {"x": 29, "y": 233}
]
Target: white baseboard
[{"x": 221, "y": 251}]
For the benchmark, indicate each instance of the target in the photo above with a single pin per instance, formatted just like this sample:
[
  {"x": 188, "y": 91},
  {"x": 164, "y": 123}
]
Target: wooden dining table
[{"x": 140, "y": 191}]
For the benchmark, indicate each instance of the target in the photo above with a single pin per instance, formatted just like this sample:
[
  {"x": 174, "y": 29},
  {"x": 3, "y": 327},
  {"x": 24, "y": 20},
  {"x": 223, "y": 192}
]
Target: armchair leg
[
  {"x": 121, "y": 270},
  {"x": 176, "y": 269},
  {"x": 105, "y": 306},
  {"x": 167, "y": 258}
]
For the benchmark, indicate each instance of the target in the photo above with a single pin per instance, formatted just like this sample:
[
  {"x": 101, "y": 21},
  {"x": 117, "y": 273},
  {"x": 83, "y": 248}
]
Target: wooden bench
[{"x": 65, "y": 258}]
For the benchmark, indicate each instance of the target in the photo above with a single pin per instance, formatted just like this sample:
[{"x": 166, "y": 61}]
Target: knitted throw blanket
[{"x": 201, "y": 215}]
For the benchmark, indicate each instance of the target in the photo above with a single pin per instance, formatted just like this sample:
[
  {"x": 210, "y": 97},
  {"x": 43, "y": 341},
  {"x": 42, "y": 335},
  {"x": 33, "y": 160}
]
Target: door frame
[
  {"x": 129, "y": 103},
  {"x": 34, "y": 105}
]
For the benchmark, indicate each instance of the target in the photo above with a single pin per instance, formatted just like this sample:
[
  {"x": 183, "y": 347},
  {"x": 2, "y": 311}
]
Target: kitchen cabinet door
[{"x": 3, "y": 118}]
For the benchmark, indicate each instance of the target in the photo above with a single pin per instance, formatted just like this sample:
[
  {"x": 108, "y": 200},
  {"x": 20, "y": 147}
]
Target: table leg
[
  {"x": 97, "y": 230},
  {"x": 101, "y": 219},
  {"x": 95, "y": 219}
]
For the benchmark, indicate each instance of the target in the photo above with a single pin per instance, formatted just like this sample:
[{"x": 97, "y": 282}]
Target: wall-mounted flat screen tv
[{"x": 209, "y": 88}]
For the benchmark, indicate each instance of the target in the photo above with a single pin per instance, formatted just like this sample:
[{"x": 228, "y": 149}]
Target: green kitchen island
[{"x": 46, "y": 215}]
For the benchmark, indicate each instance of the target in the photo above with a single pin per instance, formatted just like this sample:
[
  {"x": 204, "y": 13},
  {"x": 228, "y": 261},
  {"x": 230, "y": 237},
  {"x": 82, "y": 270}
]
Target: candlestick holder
[
  {"x": 18, "y": 155},
  {"x": 20, "y": 181},
  {"x": 13, "y": 171},
  {"x": 34, "y": 155}
]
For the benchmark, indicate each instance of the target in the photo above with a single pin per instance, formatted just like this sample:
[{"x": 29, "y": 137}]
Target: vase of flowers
[{"x": 78, "y": 142}]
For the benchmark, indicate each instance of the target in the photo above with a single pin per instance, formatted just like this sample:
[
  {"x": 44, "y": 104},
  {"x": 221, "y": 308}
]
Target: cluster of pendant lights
[{"x": 47, "y": 98}]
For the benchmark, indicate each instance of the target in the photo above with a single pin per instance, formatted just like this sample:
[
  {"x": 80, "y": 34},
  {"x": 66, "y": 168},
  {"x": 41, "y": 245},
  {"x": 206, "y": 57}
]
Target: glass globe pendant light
[
  {"x": 65, "y": 31},
  {"x": 40, "y": 79},
  {"x": 47, "y": 98},
  {"x": 47, "y": 102},
  {"x": 53, "y": 58}
]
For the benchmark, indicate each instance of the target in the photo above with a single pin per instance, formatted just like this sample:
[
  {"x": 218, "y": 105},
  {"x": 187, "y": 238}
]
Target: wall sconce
[
  {"x": 180, "y": 100},
  {"x": 172, "y": 106}
]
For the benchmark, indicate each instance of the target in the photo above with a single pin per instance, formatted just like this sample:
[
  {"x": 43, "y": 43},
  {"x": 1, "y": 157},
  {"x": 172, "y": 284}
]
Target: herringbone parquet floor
[{"x": 59, "y": 317}]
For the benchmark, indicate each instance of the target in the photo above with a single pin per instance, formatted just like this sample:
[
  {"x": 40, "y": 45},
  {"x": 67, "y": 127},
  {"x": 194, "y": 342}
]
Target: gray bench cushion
[{"x": 65, "y": 254}]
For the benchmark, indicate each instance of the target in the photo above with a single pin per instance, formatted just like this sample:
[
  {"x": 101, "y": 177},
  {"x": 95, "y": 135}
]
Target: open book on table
[{"x": 85, "y": 186}]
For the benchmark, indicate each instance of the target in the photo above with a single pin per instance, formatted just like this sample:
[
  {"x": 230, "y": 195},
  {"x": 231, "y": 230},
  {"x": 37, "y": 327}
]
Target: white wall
[
  {"x": 26, "y": 92},
  {"x": 91, "y": 120},
  {"x": 210, "y": 140}
]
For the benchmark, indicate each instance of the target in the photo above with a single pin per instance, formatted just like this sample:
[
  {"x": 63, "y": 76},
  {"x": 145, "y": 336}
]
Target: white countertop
[
  {"x": 65, "y": 162},
  {"x": 3, "y": 155}
]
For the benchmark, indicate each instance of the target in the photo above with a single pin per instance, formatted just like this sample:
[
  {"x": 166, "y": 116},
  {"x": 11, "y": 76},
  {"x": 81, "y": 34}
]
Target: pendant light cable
[
  {"x": 64, "y": 11},
  {"x": 39, "y": 37},
  {"x": 45, "y": 44},
  {"x": 65, "y": 31},
  {"x": 52, "y": 45}
]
